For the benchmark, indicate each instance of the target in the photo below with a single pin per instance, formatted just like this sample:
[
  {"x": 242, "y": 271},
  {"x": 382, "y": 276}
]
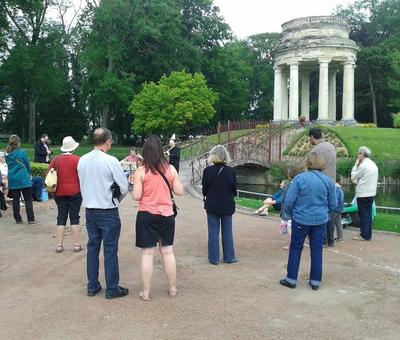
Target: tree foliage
[{"x": 175, "y": 104}]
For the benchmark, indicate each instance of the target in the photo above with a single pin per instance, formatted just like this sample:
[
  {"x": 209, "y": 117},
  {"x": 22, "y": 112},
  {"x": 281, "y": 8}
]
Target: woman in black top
[{"x": 219, "y": 190}]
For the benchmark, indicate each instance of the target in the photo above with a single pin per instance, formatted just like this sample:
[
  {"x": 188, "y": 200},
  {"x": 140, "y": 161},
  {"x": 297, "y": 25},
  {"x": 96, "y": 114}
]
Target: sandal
[
  {"x": 144, "y": 297},
  {"x": 77, "y": 248},
  {"x": 172, "y": 293},
  {"x": 59, "y": 249}
]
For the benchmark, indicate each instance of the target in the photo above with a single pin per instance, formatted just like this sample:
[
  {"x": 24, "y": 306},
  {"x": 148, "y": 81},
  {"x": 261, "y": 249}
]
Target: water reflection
[{"x": 388, "y": 195}]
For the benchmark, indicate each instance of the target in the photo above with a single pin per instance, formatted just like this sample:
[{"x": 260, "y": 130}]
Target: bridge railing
[{"x": 262, "y": 147}]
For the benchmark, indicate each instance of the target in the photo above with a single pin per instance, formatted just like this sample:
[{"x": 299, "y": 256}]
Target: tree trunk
[
  {"x": 371, "y": 86},
  {"x": 32, "y": 119},
  {"x": 106, "y": 107}
]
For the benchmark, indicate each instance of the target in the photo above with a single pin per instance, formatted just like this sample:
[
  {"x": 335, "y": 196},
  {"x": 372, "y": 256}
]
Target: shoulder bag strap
[
  {"x": 166, "y": 181},
  {"x": 215, "y": 178},
  {"x": 20, "y": 162}
]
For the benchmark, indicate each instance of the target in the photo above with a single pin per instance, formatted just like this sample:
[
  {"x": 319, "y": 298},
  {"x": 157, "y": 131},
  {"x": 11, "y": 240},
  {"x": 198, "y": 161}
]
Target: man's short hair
[
  {"x": 365, "y": 151},
  {"x": 45, "y": 135},
  {"x": 101, "y": 135},
  {"x": 315, "y": 132}
]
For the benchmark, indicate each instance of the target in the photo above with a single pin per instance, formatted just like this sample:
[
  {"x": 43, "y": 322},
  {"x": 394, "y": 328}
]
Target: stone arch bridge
[{"x": 264, "y": 148}]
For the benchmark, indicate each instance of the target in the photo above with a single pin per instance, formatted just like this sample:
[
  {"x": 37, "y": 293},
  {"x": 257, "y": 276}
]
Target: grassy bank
[
  {"x": 384, "y": 143},
  {"x": 385, "y": 222}
]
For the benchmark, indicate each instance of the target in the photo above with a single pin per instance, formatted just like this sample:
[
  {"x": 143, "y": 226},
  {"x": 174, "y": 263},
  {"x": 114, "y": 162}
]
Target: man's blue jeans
[
  {"x": 214, "y": 224},
  {"x": 316, "y": 235},
  {"x": 103, "y": 225}
]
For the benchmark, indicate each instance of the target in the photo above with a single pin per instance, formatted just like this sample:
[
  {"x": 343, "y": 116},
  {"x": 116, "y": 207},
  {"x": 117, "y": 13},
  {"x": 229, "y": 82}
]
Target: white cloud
[{"x": 247, "y": 17}]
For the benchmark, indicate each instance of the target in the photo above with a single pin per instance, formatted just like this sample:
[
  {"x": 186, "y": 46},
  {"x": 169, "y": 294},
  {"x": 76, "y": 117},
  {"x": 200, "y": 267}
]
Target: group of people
[
  {"x": 310, "y": 204},
  {"x": 310, "y": 201}
]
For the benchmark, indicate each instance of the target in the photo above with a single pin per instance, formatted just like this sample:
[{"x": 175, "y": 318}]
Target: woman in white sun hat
[{"x": 67, "y": 195}]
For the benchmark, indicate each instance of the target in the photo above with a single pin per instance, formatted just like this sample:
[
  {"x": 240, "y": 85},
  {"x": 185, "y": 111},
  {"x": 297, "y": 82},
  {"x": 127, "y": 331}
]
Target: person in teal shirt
[{"x": 19, "y": 179}]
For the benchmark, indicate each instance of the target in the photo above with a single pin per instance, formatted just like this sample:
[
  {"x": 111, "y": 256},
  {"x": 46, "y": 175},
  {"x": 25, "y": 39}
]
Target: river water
[{"x": 388, "y": 196}]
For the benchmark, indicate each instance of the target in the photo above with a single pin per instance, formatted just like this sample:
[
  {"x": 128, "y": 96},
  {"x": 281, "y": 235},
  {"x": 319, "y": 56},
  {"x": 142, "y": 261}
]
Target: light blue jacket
[
  {"x": 19, "y": 170},
  {"x": 310, "y": 198}
]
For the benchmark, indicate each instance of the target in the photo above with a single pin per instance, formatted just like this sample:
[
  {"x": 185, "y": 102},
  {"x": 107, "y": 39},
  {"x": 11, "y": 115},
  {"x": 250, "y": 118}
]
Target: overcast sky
[{"x": 247, "y": 17}]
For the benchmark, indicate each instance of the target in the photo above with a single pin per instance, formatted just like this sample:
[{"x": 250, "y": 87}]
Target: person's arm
[
  {"x": 51, "y": 165},
  {"x": 119, "y": 176},
  {"x": 357, "y": 172},
  {"x": 332, "y": 198},
  {"x": 204, "y": 182},
  {"x": 234, "y": 184},
  {"x": 25, "y": 160},
  {"x": 177, "y": 187},
  {"x": 291, "y": 197},
  {"x": 137, "y": 182}
]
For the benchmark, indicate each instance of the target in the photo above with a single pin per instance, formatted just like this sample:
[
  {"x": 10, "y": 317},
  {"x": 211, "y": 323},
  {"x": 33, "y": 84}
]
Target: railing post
[
  {"x": 229, "y": 131},
  {"x": 280, "y": 142},
  {"x": 219, "y": 132},
  {"x": 270, "y": 145}
]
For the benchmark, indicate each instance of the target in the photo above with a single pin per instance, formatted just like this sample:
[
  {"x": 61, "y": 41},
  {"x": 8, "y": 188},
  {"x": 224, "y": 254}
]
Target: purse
[
  {"x": 51, "y": 180},
  {"x": 174, "y": 206}
]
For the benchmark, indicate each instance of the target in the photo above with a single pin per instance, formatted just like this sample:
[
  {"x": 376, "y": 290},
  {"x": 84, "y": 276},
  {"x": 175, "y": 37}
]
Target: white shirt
[
  {"x": 97, "y": 172},
  {"x": 366, "y": 177},
  {"x": 4, "y": 169}
]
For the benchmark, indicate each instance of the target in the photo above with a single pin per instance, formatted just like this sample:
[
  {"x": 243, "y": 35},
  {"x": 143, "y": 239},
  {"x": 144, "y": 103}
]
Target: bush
[
  {"x": 396, "y": 120},
  {"x": 344, "y": 166},
  {"x": 38, "y": 169},
  {"x": 366, "y": 125},
  {"x": 279, "y": 170}
]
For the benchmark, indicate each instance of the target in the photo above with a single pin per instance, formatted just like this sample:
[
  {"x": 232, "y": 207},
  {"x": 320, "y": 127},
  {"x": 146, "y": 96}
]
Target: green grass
[
  {"x": 385, "y": 222},
  {"x": 117, "y": 151},
  {"x": 384, "y": 143},
  {"x": 197, "y": 148}
]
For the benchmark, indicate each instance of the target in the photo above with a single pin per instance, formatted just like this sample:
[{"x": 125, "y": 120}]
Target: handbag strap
[
  {"x": 215, "y": 178},
  {"x": 166, "y": 181},
  {"x": 20, "y": 162}
]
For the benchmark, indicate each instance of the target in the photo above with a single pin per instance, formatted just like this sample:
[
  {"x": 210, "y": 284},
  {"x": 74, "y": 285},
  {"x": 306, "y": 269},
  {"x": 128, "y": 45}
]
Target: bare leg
[
  {"x": 168, "y": 256},
  {"x": 60, "y": 235},
  {"x": 147, "y": 270},
  {"x": 75, "y": 234}
]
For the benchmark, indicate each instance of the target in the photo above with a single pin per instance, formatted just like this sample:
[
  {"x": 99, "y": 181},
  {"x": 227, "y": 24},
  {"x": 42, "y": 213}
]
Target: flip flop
[
  {"x": 59, "y": 249},
  {"x": 143, "y": 297},
  {"x": 172, "y": 293},
  {"x": 77, "y": 248}
]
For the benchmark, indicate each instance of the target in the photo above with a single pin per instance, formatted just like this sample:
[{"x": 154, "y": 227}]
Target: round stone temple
[{"x": 314, "y": 44}]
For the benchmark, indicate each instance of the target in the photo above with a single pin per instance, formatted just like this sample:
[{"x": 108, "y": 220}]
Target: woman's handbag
[
  {"x": 174, "y": 206},
  {"x": 51, "y": 180}
]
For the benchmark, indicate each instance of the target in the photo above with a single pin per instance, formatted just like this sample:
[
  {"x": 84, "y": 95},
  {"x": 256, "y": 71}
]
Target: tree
[
  {"x": 175, "y": 104},
  {"x": 375, "y": 26},
  {"x": 229, "y": 73}
]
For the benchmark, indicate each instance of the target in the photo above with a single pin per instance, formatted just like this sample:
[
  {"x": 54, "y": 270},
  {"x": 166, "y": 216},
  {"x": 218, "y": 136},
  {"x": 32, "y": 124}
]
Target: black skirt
[{"x": 151, "y": 229}]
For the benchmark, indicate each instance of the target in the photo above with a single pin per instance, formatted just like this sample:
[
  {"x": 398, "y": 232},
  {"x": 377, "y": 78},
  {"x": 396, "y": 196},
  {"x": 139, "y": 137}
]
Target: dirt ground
[{"x": 43, "y": 294}]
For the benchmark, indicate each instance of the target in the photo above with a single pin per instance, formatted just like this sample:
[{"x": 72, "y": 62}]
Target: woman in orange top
[{"x": 155, "y": 221}]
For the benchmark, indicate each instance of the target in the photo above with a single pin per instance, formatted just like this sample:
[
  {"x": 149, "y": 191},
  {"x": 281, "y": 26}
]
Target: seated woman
[{"x": 272, "y": 201}]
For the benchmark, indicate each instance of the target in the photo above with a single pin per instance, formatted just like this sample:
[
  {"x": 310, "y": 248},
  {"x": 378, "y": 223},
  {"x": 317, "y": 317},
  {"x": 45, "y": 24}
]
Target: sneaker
[
  {"x": 359, "y": 238},
  {"x": 314, "y": 287},
  {"x": 285, "y": 283},
  {"x": 19, "y": 222},
  {"x": 35, "y": 222},
  {"x": 339, "y": 240},
  {"x": 93, "y": 293},
  {"x": 121, "y": 292}
]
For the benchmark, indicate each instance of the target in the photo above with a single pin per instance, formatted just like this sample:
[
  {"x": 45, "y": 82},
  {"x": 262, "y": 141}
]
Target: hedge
[{"x": 38, "y": 169}]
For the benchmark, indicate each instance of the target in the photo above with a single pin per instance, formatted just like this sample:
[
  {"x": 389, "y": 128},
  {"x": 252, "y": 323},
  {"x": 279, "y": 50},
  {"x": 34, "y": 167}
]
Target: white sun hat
[{"x": 69, "y": 144}]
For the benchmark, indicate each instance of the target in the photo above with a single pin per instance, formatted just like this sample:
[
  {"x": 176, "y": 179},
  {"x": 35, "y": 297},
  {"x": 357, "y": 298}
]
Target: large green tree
[
  {"x": 175, "y": 104},
  {"x": 375, "y": 26}
]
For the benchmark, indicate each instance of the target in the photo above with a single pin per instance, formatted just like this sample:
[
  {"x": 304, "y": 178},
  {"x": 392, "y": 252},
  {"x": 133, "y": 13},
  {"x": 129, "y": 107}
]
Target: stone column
[
  {"x": 305, "y": 94},
  {"x": 332, "y": 94},
  {"x": 294, "y": 92},
  {"x": 278, "y": 94},
  {"x": 284, "y": 112},
  {"x": 348, "y": 92},
  {"x": 323, "y": 94}
]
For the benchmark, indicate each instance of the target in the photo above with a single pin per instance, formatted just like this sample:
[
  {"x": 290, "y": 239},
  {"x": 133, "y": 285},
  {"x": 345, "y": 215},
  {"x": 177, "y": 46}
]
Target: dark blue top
[
  {"x": 278, "y": 198},
  {"x": 219, "y": 190},
  {"x": 340, "y": 199},
  {"x": 310, "y": 198}
]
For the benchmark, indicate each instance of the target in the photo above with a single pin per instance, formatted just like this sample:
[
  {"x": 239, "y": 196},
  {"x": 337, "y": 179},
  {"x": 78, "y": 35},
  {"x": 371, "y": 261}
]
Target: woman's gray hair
[
  {"x": 219, "y": 155},
  {"x": 365, "y": 151}
]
